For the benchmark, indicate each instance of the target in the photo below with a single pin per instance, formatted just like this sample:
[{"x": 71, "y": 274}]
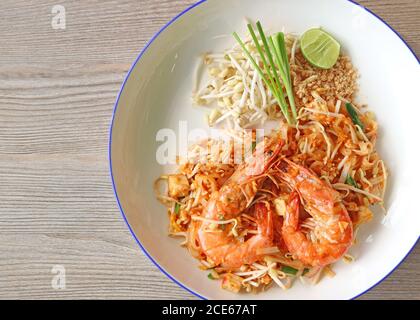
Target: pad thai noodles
[{"x": 293, "y": 209}]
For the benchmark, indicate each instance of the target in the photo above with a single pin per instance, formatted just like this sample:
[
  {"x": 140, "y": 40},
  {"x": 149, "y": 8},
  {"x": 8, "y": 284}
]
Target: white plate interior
[{"x": 157, "y": 94}]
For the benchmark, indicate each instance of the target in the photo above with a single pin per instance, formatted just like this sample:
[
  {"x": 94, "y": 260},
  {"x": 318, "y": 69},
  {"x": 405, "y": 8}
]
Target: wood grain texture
[{"x": 57, "y": 90}]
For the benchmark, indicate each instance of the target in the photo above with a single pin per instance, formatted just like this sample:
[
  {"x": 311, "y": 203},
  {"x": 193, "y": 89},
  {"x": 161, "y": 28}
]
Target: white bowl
[{"x": 157, "y": 94}]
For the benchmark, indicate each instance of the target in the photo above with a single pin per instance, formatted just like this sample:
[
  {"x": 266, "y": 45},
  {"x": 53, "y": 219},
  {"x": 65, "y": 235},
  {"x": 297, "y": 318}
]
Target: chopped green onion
[
  {"x": 267, "y": 78},
  {"x": 254, "y": 145},
  {"x": 350, "y": 181},
  {"x": 280, "y": 46},
  {"x": 289, "y": 270},
  {"x": 353, "y": 115},
  {"x": 273, "y": 66},
  {"x": 210, "y": 276},
  {"x": 270, "y": 59},
  {"x": 177, "y": 207},
  {"x": 273, "y": 77}
]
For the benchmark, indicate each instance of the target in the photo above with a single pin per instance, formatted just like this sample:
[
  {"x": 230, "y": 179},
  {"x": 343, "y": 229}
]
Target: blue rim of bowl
[{"x": 110, "y": 145}]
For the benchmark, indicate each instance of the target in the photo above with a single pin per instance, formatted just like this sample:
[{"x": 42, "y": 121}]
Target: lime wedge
[{"x": 319, "y": 48}]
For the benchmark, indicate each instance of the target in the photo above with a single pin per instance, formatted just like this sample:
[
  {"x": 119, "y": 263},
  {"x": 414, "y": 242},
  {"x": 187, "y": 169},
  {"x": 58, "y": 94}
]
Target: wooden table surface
[{"x": 57, "y": 91}]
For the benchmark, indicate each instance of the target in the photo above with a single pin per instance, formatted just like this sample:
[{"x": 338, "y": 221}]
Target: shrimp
[
  {"x": 229, "y": 252},
  {"x": 332, "y": 234},
  {"x": 234, "y": 197}
]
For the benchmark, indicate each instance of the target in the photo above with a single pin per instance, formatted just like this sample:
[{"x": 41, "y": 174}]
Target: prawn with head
[
  {"x": 332, "y": 233},
  {"x": 235, "y": 197}
]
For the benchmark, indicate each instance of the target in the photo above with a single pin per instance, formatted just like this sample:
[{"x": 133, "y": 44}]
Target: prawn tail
[
  {"x": 292, "y": 212},
  {"x": 264, "y": 216}
]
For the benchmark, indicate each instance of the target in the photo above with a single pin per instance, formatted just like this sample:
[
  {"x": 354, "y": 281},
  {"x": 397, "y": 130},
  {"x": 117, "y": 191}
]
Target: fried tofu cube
[
  {"x": 231, "y": 282},
  {"x": 280, "y": 206},
  {"x": 178, "y": 186},
  {"x": 364, "y": 215}
]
